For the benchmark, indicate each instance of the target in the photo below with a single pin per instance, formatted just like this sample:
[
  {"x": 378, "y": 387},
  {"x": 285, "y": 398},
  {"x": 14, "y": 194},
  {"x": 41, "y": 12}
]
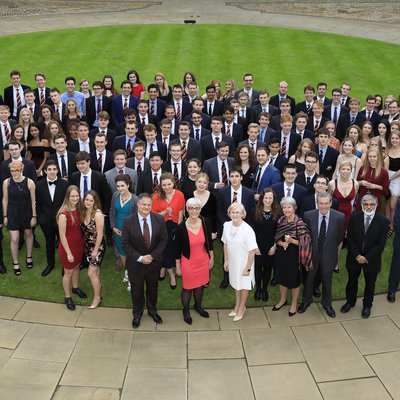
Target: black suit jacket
[
  {"x": 111, "y": 135},
  {"x": 301, "y": 180},
  {"x": 208, "y": 149},
  {"x": 186, "y": 108},
  {"x": 299, "y": 193},
  {"x": 275, "y": 102},
  {"x": 108, "y": 164},
  {"x": 151, "y": 120},
  {"x": 309, "y": 204},
  {"x": 145, "y": 182},
  {"x": 294, "y": 141},
  {"x": 205, "y": 120},
  {"x": 310, "y": 123},
  {"x": 46, "y": 208},
  {"x": 203, "y": 132},
  {"x": 120, "y": 143},
  {"x": 344, "y": 123},
  {"x": 167, "y": 167},
  {"x": 280, "y": 162},
  {"x": 193, "y": 149},
  {"x": 9, "y": 97},
  {"x": 375, "y": 119},
  {"x": 91, "y": 107},
  {"x": 160, "y": 108},
  {"x": 257, "y": 110},
  {"x": 36, "y": 112},
  {"x": 29, "y": 170},
  {"x": 130, "y": 163},
  {"x": 74, "y": 146},
  {"x": 236, "y": 133},
  {"x": 218, "y": 109},
  {"x": 328, "y": 112},
  {"x": 328, "y": 165},
  {"x": 70, "y": 162},
  {"x": 46, "y": 96},
  {"x": 370, "y": 244},
  {"x": 302, "y": 106}
]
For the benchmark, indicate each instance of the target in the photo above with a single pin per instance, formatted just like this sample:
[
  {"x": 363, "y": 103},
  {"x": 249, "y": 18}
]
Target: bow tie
[{"x": 52, "y": 183}]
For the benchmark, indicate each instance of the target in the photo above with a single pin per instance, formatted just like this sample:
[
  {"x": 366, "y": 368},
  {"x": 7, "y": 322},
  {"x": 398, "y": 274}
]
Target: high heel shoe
[
  {"x": 203, "y": 313},
  {"x": 239, "y": 317},
  {"x": 232, "y": 314},
  {"x": 291, "y": 314},
  {"x": 17, "y": 271},
  {"x": 275, "y": 308},
  {"x": 186, "y": 317},
  {"x": 29, "y": 264},
  {"x": 95, "y": 305}
]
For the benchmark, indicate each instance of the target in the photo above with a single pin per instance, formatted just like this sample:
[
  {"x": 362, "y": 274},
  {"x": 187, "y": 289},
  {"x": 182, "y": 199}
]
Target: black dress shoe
[
  {"x": 161, "y": 278},
  {"x": 291, "y": 314},
  {"x": 203, "y": 313},
  {"x": 391, "y": 297},
  {"x": 265, "y": 296},
  {"x": 186, "y": 317},
  {"x": 156, "y": 318},
  {"x": 330, "y": 311},
  {"x": 275, "y": 308},
  {"x": 36, "y": 244},
  {"x": 135, "y": 323},
  {"x": 3, "y": 269},
  {"x": 224, "y": 284},
  {"x": 273, "y": 282},
  {"x": 69, "y": 303},
  {"x": 257, "y": 295},
  {"x": 47, "y": 270},
  {"x": 79, "y": 292},
  {"x": 346, "y": 308},
  {"x": 316, "y": 292},
  {"x": 366, "y": 312},
  {"x": 302, "y": 308}
]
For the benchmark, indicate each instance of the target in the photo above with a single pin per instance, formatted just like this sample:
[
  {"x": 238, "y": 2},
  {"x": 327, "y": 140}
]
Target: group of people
[{"x": 283, "y": 186}]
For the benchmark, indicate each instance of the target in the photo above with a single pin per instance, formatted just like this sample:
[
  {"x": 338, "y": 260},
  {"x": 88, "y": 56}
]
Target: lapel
[{"x": 331, "y": 225}]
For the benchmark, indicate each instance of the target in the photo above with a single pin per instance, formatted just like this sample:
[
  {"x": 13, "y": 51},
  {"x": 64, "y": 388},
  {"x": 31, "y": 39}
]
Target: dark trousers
[
  {"x": 139, "y": 275},
  {"x": 1, "y": 246},
  {"x": 352, "y": 285},
  {"x": 263, "y": 265},
  {"x": 317, "y": 274},
  {"x": 50, "y": 232},
  {"x": 394, "y": 275}
]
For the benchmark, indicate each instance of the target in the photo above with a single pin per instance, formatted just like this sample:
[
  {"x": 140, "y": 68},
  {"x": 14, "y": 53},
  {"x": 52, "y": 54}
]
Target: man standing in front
[
  {"x": 366, "y": 238},
  {"x": 327, "y": 232},
  {"x": 144, "y": 238}
]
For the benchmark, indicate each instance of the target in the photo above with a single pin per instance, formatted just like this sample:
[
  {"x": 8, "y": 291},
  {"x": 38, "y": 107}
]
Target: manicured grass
[{"x": 210, "y": 52}]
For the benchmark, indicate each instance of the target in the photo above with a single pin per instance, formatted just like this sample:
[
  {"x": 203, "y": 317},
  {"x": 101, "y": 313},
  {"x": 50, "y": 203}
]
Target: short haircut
[
  {"x": 155, "y": 154},
  {"x": 70, "y": 78},
  {"x": 370, "y": 97},
  {"x": 119, "y": 152},
  {"x": 289, "y": 166},
  {"x": 60, "y": 136},
  {"x": 254, "y": 125},
  {"x": 103, "y": 115},
  {"x": 216, "y": 118},
  {"x": 131, "y": 123},
  {"x": 319, "y": 84},
  {"x": 184, "y": 123},
  {"x": 98, "y": 83},
  {"x": 15, "y": 72},
  {"x": 83, "y": 123},
  {"x": 285, "y": 101},
  {"x": 126, "y": 82},
  {"x": 369, "y": 197},
  {"x": 143, "y": 101},
  {"x": 263, "y": 91},
  {"x": 312, "y": 154},
  {"x": 323, "y": 195},
  {"x": 286, "y": 118},
  {"x": 26, "y": 91},
  {"x": 236, "y": 168},
  {"x": 274, "y": 140},
  {"x": 321, "y": 176},
  {"x": 129, "y": 111},
  {"x": 309, "y": 87},
  {"x": 50, "y": 163},
  {"x": 82, "y": 156},
  {"x": 300, "y": 114},
  {"x": 149, "y": 128},
  {"x": 166, "y": 121},
  {"x": 230, "y": 109},
  {"x": 288, "y": 200},
  {"x": 138, "y": 143},
  {"x": 145, "y": 195},
  {"x": 177, "y": 86},
  {"x": 324, "y": 131},
  {"x": 152, "y": 86},
  {"x": 237, "y": 206},
  {"x": 101, "y": 135},
  {"x": 210, "y": 87},
  {"x": 193, "y": 201},
  {"x": 54, "y": 89},
  {"x": 222, "y": 144},
  {"x": 243, "y": 94},
  {"x": 264, "y": 114},
  {"x": 336, "y": 90}
]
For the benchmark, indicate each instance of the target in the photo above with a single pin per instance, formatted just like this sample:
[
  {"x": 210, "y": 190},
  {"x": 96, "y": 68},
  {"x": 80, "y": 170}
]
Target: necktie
[
  {"x": 283, "y": 148},
  {"x": 56, "y": 112},
  {"x": 125, "y": 103},
  {"x": 183, "y": 153},
  {"x": 271, "y": 160},
  {"x": 257, "y": 182},
  {"x": 335, "y": 115},
  {"x": 216, "y": 141},
  {"x": 264, "y": 109},
  {"x": 369, "y": 116},
  {"x": 210, "y": 109},
  {"x": 63, "y": 167},
  {"x": 52, "y": 183},
  {"x": 235, "y": 197},
  {"x": 151, "y": 148},
  {"x": 85, "y": 185},
  {"x": 19, "y": 102},
  {"x": 139, "y": 168},
  {"x": 165, "y": 140},
  {"x": 322, "y": 233},
  {"x": 152, "y": 108},
  {"x": 243, "y": 114},
  {"x": 98, "y": 105},
  {"x": 146, "y": 233},
  {"x": 252, "y": 145},
  {"x": 352, "y": 119},
  {"x": 178, "y": 111},
  {"x": 288, "y": 192},
  {"x": 316, "y": 126},
  {"x": 308, "y": 179},
  {"x": 100, "y": 162},
  {"x": 262, "y": 134},
  {"x": 155, "y": 182},
  {"x": 224, "y": 173},
  {"x": 197, "y": 133},
  {"x": 321, "y": 156},
  {"x": 128, "y": 148},
  {"x": 343, "y": 101},
  {"x": 228, "y": 130},
  {"x": 308, "y": 107},
  {"x": 7, "y": 132},
  {"x": 120, "y": 171},
  {"x": 31, "y": 109},
  {"x": 176, "y": 175},
  {"x": 143, "y": 121},
  {"x": 367, "y": 222},
  {"x": 104, "y": 132}
]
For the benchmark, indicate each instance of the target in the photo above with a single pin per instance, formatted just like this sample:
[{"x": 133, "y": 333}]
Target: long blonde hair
[
  {"x": 66, "y": 205},
  {"x": 367, "y": 166}
]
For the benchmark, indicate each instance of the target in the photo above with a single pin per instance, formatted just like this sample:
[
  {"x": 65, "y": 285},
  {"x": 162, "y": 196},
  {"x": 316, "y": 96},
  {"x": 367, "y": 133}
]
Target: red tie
[
  {"x": 41, "y": 97},
  {"x": 224, "y": 173},
  {"x": 7, "y": 132},
  {"x": 31, "y": 110},
  {"x": 228, "y": 130},
  {"x": 165, "y": 140},
  {"x": 152, "y": 108},
  {"x": 19, "y": 103},
  {"x": 100, "y": 162},
  {"x": 98, "y": 105},
  {"x": 235, "y": 199},
  {"x": 316, "y": 126},
  {"x": 155, "y": 182},
  {"x": 128, "y": 148},
  {"x": 369, "y": 115},
  {"x": 176, "y": 174},
  {"x": 146, "y": 234},
  {"x": 56, "y": 113},
  {"x": 178, "y": 111},
  {"x": 283, "y": 148},
  {"x": 183, "y": 153},
  {"x": 125, "y": 104}
]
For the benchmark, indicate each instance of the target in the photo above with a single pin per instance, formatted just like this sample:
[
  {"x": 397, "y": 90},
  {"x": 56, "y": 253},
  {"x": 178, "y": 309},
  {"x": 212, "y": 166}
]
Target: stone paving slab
[
  {"x": 159, "y": 350},
  {"x": 281, "y": 318},
  {"x": 374, "y": 335},
  {"x": 330, "y": 353},
  {"x": 254, "y": 318},
  {"x": 48, "y": 313},
  {"x": 12, "y": 332},
  {"x": 29, "y": 379},
  {"x": 5, "y": 354},
  {"x": 9, "y": 307},
  {"x": 219, "y": 380},
  {"x": 100, "y": 359},
  {"x": 282, "y": 382},
  {"x": 173, "y": 322},
  {"x": 360, "y": 389},
  {"x": 214, "y": 345},
  {"x": 395, "y": 317},
  {"x": 387, "y": 367},
  {"x": 271, "y": 346},
  {"x": 48, "y": 343},
  {"x": 155, "y": 384},
  {"x": 85, "y": 393}
]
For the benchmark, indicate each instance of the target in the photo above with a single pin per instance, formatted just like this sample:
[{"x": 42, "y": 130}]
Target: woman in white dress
[{"x": 240, "y": 247}]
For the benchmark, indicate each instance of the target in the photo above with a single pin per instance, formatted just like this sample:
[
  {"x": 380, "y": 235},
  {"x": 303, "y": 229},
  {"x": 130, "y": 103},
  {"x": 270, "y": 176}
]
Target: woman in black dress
[
  {"x": 164, "y": 90},
  {"x": 293, "y": 252},
  {"x": 267, "y": 213},
  {"x": 189, "y": 181},
  {"x": 245, "y": 159},
  {"x": 38, "y": 147},
  {"x": 19, "y": 207}
]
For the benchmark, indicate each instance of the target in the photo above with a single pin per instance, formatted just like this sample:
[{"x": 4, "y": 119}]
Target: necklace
[
  {"x": 19, "y": 185},
  {"x": 123, "y": 201}
]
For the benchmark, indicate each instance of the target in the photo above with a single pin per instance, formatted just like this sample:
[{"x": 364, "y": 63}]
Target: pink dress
[{"x": 196, "y": 271}]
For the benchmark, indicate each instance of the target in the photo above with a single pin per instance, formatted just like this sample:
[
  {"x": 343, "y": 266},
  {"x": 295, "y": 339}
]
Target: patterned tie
[
  {"x": 120, "y": 172},
  {"x": 184, "y": 151},
  {"x": 178, "y": 111},
  {"x": 257, "y": 182},
  {"x": 128, "y": 148},
  {"x": 56, "y": 113},
  {"x": 235, "y": 197},
  {"x": 335, "y": 115},
  {"x": 343, "y": 101},
  {"x": 322, "y": 233},
  {"x": 316, "y": 126},
  {"x": 197, "y": 133},
  {"x": 98, "y": 105},
  {"x": 271, "y": 160},
  {"x": 19, "y": 102},
  {"x": 146, "y": 234},
  {"x": 85, "y": 184},
  {"x": 151, "y": 148},
  {"x": 63, "y": 166},
  {"x": 283, "y": 148},
  {"x": 288, "y": 192},
  {"x": 252, "y": 145},
  {"x": 176, "y": 174},
  {"x": 243, "y": 114},
  {"x": 224, "y": 173},
  {"x": 165, "y": 140},
  {"x": 125, "y": 103},
  {"x": 228, "y": 130},
  {"x": 308, "y": 107},
  {"x": 367, "y": 222},
  {"x": 152, "y": 108},
  {"x": 139, "y": 168},
  {"x": 352, "y": 119},
  {"x": 31, "y": 109},
  {"x": 100, "y": 162},
  {"x": 308, "y": 181},
  {"x": 155, "y": 182},
  {"x": 41, "y": 97},
  {"x": 143, "y": 121},
  {"x": 7, "y": 132}
]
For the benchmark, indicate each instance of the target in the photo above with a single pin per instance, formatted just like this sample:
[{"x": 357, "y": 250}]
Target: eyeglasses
[
  {"x": 194, "y": 208},
  {"x": 310, "y": 162},
  {"x": 14, "y": 170}
]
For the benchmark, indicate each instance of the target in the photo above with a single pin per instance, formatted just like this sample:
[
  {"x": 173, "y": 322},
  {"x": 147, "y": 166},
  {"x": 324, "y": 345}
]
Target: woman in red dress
[
  {"x": 138, "y": 89},
  {"x": 71, "y": 247},
  {"x": 194, "y": 258}
]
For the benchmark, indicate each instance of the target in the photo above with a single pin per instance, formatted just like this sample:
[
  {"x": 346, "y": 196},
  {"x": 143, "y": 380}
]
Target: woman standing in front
[
  {"x": 93, "y": 227},
  {"x": 194, "y": 258},
  {"x": 293, "y": 252},
  {"x": 240, "y": 247},
  {"x": 170, "y": 203},
  {"x": 71, "y": 247}
]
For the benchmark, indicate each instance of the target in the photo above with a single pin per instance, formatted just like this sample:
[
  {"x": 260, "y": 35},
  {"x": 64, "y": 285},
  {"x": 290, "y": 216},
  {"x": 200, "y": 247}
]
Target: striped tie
[
  {"x": 41, "y": 97},
  {"x": 19, "y": 102},
  {"x": 183, "y": 153},
  {"x": 283, "y": 148},
  {"x": 178, "y": 111}
]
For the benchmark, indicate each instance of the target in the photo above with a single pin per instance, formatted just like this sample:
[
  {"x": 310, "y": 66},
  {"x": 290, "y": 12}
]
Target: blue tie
[{"x": 85, "y": 185}]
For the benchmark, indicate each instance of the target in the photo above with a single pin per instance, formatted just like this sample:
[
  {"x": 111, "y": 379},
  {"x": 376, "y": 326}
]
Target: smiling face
[
  {"x": 122, "y": 187},
  {"x": 201, "y": 184},
  {"x": 193, "y": 169},
  {"x": 34, "y": 131},
  {"x": 74, "y": 198},
  {"x": 244, "y": 154},
  {"x": 167, "y": 185},
  {"x": 88, "y": 202}
]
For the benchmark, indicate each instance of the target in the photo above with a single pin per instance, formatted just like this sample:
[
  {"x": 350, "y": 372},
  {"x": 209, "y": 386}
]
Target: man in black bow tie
[{"x": 50, "y": 193}]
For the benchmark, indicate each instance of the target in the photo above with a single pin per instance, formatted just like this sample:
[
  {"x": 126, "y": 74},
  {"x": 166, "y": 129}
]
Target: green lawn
[{"x": 210, "y": 52}]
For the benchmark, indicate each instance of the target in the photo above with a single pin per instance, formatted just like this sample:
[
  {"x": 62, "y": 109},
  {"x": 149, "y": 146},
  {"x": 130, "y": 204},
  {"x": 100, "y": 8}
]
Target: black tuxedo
[
  {"x": 46, "y": 210},
  {"x": 294, "y": 141},
  {"x": 218, "y": 109},
  {"x": 159, "y": 109},
  {"x": 370, "y": 245},
  {"x": 108, "y": 164},
  {"x": 276, "y": 102},
  {"x": 134, "y": 245},
  {"x": 344, "y": 123},
  {"x": 91, "y": 108},
  {"x": 328, "y": 165},
  {"x": 145, "y": 181},
  {"x": 111, "y": 135},
  {"x": 74, "y": 146},
  {"x": 208, "y": 146},
  {"x": 47, "y": 99},
  {"x": 70, "y": 163},
  {"x": 9, "y": 98},
  {"x": 29, "y": 170}
]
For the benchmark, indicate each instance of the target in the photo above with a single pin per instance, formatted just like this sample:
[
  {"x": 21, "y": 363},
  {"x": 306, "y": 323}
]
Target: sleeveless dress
[
  {"x": 19, "y": 212},
  {"x": 90, "y": 236},
  {"x": 122, "y": 212},
  {"x": 394, "y": 166},
  {"x": 345, "y": 203},
  {"x": 74, "y": 238},
  {"x": 38, "y": 154},
  {"x": 299, "y": 166},
  {"x": 195, "y": 272}
]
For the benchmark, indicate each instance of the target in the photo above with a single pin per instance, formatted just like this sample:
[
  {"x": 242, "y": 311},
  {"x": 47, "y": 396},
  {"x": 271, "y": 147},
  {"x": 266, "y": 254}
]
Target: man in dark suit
[
  {"x": 14, "y": 94},
  {"x": 56, "y": 104},
  {"x": 327, "y": 155},
  {"x": 143, "y": 117},
  {"x": 103, "y": 122},
  {"x": 197, "y": 130},
  {"x": 394, "y": 274},
  {"x": 284, "y": 109},
  {"x": 66, "y": 160},
  {"x": 144, "y": 238},
  {"x": 84, "y": 143},
  {"x": 345, "y": 98},
  {"x": 6, "y": 126},
  {"x": 352, "y": 118},
  {"x": 129, "y": 116},
  {"x": 150, "y": 180},
  {"x": 366, "y": 238},
  {"x": 29, "y": 96},
  {"x": 322, "y": 88},
  {"x": 230, "y": 128},
  {"x": 334, "y": 110},
  {"x": 309, "y": 175},
  {"x": 210, "y": 143},
  {"x": 282, "y": 94},
  {"x": 96, "y": 104},
  {"x": 211, "y": 106},
  {"x": 127, "y": 141},
  {"x": 165, "y": 135},
  {"x": 253, "y": 132},
  {"x": 394, "y": 114},
  {"x": 244, "y": 110},
  {"x": 316, "y": 121},
  {"x": 327, "y": 232},
  {"x": 171, "y": 116},
  {"x": 191, "y": 148},
  {"x": 87, "y": 179},
  {"x": 101, "y": 159},
  {"x": 275, "y": 157},
  {"x": 238, "y": 119},
  {"x": 182, "y": 108},
  {"x": 198, "y": 107},
  {"x": 138, "y": 162},
  {"x": 370, "y": 114},
  {"x": 151, "y": 142},
  {"x": 265, "y": 130},
  {"x": 50, "y": 193},
  {"x": 289, "y": 140},
  {"x": 42, "y": 93},
  {"x": 248, "y": 89},
  {"x": 300, "y": 121},
  {"x": 264, "y": 106},
  {"x": 122, "y": 102},
  {"x": 306, "y": 105},
  {"x": 175, "y": 164},
  {"x": 156, "y": 106}
]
